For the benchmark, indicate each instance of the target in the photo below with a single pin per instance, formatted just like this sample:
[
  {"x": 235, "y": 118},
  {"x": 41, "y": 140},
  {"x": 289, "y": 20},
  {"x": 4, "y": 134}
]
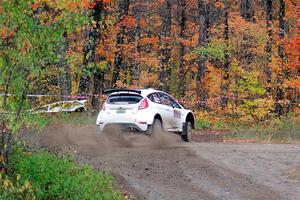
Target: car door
[
  {"x": 161, "y": 108},
  {"x": 177, "y": 115},
  {"x": 166, "y": 110}
]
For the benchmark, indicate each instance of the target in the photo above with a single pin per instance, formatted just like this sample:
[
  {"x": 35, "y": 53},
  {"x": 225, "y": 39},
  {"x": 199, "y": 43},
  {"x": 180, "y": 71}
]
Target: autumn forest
[
  {"x": 234, "y": 63},
  {"x": 234, "y": 58}
]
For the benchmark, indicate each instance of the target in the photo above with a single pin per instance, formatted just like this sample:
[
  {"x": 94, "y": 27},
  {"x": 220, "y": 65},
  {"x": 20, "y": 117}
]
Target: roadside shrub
[
  {"x": 13, "y": 188},
  {"x": 203, "y": 124},
  {"x": 54, "y": 177},
  {"x": 284, "y": 129},
  {"x": 205, "y": 121}
]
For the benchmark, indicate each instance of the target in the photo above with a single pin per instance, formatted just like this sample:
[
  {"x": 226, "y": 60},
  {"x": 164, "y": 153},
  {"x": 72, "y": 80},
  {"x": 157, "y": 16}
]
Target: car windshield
[{"x": 124, "y": 99}]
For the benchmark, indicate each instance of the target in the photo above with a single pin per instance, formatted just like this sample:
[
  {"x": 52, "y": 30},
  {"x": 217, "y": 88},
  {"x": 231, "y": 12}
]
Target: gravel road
[{"x": 166, "y": 168}]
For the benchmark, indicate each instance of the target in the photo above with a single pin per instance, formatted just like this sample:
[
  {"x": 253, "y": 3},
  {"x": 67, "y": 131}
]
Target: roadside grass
[
  {"x": 45, "y": 175},
  {"x": 275, "y": 130},
  {"x": 280, "y": 130},
  {"x": 73, "y": 118},
  {"x": 205, "y": 124}
]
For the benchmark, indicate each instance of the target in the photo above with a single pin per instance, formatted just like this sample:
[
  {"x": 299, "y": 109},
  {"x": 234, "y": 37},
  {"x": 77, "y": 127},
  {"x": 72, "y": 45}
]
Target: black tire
[
  {"x": 155, "y": 128},
  {"x": 187, "y": 132}
]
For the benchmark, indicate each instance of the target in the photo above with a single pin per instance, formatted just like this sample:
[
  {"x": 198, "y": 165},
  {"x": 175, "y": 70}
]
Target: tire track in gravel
[
  {"x": 225, "y": 183},
  {"x": 156, "y": 168}
]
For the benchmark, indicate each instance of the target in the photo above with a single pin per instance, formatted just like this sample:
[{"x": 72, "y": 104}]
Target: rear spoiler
[{"x": 121, "y": 90}]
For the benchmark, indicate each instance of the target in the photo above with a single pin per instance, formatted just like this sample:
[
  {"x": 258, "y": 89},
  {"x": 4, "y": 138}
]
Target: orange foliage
[
  {"x": 35, "y": 6},
  {"x": 129, "y": 21},
  {"x": 293, "y": 83},
  {"x": 106, "y": 1},
  {"x": 148, "y": 40},
  {"x": 292, "y": 48},
  {"x": 152, "y": 61}
]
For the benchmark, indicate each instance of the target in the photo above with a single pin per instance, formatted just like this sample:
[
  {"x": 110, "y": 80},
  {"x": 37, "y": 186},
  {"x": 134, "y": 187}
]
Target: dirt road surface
[{"x": 165, "y": 167}]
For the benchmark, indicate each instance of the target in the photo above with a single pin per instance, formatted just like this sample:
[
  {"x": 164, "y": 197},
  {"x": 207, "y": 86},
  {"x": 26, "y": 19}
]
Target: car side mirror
[{"x": 173, "y": 105}]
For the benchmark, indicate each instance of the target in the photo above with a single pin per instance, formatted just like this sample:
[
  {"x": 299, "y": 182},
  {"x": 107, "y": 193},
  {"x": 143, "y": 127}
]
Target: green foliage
[
  {"x": 29, "y": 44},
  {"x": 205, "y": 124},
  {"x": 57, "y": 177},
  {"x": 251, "y": 83},
  {"x": 252, "y": 92},
  {"x": 103, "y": 65},
  {"x": 214, "y": 50}
]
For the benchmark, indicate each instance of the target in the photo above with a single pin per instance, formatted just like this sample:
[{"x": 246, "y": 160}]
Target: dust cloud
[{"x": 88, "y": 140}]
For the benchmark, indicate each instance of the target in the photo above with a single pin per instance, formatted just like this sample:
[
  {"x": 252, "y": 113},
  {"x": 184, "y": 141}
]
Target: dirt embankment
[{"x": 164, "y": 167}]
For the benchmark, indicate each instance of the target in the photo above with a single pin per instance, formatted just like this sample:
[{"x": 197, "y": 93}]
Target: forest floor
[{"x": 165, "y": 167}]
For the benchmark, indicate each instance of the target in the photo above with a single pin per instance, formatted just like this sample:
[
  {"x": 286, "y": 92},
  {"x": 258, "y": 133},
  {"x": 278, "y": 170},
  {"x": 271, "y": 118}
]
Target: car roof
[
  {"x": 147, "y": 91},
  {"x": 143, "y": 92}
]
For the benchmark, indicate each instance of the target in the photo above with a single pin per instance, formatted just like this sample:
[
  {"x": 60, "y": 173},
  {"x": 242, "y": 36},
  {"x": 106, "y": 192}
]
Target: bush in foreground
[{"x": 44, "y": 175}]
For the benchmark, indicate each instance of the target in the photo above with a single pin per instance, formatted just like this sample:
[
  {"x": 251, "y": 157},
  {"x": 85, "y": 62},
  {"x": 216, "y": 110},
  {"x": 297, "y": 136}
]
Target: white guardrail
[{"x": 59, "y": 106}]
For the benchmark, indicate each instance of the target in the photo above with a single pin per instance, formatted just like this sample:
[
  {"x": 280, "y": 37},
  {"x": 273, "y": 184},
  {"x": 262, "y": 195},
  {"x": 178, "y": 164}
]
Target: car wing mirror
[{"x": 173, "y": 105}]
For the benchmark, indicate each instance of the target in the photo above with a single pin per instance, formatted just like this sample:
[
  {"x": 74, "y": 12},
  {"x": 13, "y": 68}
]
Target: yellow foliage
[{"x": 16, "y": 188}]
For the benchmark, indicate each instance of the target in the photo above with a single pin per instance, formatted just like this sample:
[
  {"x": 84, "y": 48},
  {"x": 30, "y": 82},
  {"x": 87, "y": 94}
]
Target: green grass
[
  {"x": 74, "y": 118},
  {"x": 204, "y": 124},
  {"x": 56, "y": 177}
]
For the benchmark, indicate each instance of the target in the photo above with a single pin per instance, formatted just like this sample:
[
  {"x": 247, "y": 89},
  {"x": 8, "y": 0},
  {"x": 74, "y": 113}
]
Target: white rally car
[{"x": 145, "y": 110}]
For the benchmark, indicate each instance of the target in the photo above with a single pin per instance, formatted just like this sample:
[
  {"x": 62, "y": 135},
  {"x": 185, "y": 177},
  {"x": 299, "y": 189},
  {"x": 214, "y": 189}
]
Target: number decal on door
[{"x": 177, "y": 114}]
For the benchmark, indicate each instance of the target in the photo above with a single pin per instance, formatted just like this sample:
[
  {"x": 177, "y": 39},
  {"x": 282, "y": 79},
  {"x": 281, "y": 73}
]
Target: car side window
[
  {"x": 154, "y": 98},
  {"x": 165, "y": 99},
  {"x": 175, "y": 104},
  {"x": 169, "y": 101}
]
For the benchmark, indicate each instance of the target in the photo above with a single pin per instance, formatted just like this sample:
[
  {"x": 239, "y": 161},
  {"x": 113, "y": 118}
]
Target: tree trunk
[
  {"x": 279, "y": 109},
  {"x": 148, "y": 33},
  {"x": 119, "y": 60},
  {"x": 137, "y": 48},
  {"x": 91, "y": 94},
  {"x": 165, "y": 54},
  {"x": 64, "y": 79},
  {"x": 87, "y": 81},
  {"x": 89, "y": 50},
  {"x": 182, "y": 67},
  {"x": 208, "y": 21},
  {"x": 269, "y": 18},
  {"x": 200, "y": 87},
  {"x": 98, "y": 89},
  {"x": 247, "y": 10},
  {"x": 225, "y": 81}
]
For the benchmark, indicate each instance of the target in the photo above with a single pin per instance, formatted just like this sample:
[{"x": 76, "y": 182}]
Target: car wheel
[
  {"x": 155, "y": 128},
  {"x": 187, "y": 132}
]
